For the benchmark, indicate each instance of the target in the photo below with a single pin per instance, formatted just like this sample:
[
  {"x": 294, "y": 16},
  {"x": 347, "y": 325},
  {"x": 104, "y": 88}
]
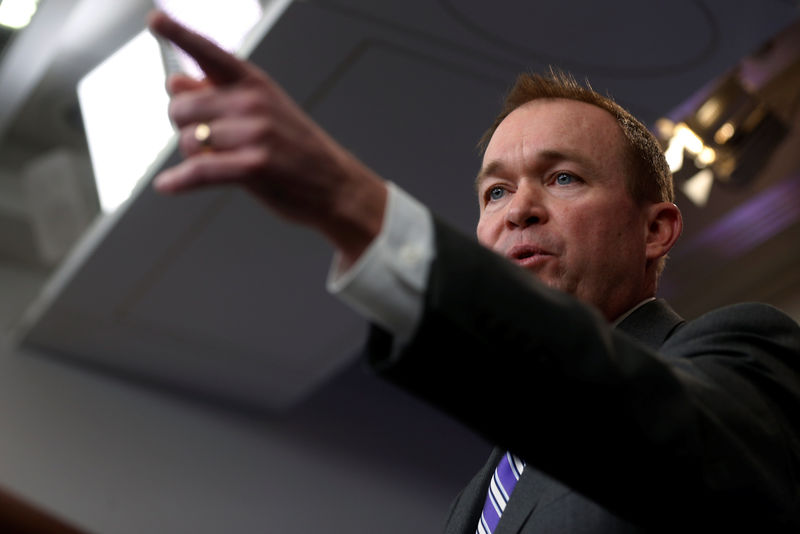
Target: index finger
[{"x": 220, "y": 66}]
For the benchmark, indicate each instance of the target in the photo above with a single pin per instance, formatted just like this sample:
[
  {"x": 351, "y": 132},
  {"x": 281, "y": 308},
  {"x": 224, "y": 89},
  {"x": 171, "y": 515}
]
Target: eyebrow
[
  {"x": 486, "y": 171},
  {"x": 545, "y": 155}
]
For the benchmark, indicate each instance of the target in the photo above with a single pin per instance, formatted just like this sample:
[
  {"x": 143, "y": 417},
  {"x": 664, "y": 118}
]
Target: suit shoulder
[
  {"x": 748, "y": 315},
  {"x": 734, "y": 328}
]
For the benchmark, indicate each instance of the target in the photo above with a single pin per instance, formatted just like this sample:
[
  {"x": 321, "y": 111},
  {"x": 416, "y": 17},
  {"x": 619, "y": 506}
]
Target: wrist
[{"x": 357, "y": 213}]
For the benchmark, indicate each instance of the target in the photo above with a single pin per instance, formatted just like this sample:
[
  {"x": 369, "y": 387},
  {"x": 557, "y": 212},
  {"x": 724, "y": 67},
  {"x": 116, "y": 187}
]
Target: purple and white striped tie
[{"x": 505, "y": 478}]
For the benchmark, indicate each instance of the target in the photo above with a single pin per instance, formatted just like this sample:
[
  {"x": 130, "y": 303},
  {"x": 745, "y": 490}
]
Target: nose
[{"x": 526, "y": 207}]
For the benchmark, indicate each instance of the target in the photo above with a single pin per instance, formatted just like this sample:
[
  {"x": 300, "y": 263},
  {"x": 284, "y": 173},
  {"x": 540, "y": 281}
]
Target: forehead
[{"x": 559, "y": 125}]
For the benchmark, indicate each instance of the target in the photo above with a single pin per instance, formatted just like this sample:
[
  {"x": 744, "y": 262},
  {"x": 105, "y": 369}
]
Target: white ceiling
[{"x": 210, "y": 294}]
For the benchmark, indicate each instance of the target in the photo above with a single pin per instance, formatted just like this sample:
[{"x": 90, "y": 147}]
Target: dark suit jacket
[{"x": 659, "y": 425}]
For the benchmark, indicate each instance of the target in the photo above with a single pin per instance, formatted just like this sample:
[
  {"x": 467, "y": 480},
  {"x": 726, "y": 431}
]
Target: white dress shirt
[{"x": 387, "y": 283}]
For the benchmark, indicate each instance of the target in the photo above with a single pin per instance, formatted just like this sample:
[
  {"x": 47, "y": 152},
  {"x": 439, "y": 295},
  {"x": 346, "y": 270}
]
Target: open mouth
[{"x": 527, "y": 255}]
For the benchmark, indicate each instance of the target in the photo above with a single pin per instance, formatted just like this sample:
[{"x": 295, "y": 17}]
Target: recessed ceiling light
[{"x": 17, "y": 14}]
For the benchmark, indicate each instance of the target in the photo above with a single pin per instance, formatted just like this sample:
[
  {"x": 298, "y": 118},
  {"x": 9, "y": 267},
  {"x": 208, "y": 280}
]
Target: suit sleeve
[{"x": 697, "y": 434}]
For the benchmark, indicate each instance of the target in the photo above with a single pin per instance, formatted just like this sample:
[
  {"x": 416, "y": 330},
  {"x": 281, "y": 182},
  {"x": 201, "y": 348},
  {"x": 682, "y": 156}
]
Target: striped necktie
[{"x": 505, "y": 478}]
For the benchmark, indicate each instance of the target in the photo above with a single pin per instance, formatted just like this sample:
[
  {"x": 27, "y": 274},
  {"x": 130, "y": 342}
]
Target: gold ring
[{"x": 202, "y": 134}]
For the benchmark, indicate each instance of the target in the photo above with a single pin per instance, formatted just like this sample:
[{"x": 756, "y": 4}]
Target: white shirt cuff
[{"x": 387, "y": 283}]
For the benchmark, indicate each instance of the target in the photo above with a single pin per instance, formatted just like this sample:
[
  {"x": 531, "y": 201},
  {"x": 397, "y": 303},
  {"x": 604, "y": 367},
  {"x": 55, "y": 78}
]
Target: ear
[{"x": 664, "y": 226}]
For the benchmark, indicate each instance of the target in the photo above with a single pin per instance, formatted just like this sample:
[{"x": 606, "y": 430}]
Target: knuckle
[
  {"x": 263, "y": 129},
  {"x": 198, "y": 171},
  {"x": 177, "y": 110},
  {"x": 192, "y": 167},
  {"x": 173, "y": 111},
  {"x": 257, "y": 161},
  {"x": 186, "y": 142},
  {"x": 253, "y": 102}
]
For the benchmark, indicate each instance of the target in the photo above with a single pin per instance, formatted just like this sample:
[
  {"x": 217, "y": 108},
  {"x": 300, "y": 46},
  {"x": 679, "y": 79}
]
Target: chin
[{"x": 556, "y": 284}]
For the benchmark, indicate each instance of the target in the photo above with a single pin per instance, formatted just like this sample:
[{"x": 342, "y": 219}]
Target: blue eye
[
  {"x": 496, "y": 193},
  {"x": 564, "y": 178}
]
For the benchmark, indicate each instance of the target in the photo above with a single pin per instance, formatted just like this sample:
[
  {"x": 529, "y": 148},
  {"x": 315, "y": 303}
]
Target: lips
[{"x": 528, "y": 255}]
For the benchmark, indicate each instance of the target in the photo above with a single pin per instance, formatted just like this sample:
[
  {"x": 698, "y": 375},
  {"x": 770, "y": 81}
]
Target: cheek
[
  {"x": 596, "y": 233},
  {"x": 486, "y": 231},
  {"x": 581, "y": 226},
  {"x": 615, "y": 240}
]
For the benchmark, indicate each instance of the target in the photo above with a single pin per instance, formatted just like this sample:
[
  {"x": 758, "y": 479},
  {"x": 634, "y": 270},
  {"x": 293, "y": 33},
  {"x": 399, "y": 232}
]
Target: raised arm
[{"x": 251, "y": 133}]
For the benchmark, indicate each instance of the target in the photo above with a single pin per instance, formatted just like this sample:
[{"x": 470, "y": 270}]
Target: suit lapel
[
  {"x": 466, "y": 511},
  {"x": 534, "y": 489},
  {"x": 652, "y": 323}
]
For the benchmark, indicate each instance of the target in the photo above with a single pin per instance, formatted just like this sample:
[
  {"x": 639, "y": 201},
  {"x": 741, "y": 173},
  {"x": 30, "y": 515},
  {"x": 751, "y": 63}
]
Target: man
[{"x": 620, "y": 416}]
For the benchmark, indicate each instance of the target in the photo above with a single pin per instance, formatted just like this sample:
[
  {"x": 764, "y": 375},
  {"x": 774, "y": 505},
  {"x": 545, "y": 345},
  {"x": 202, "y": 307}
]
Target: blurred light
[
  {"x": 665, "y": 127},
  {"x": 698, "y": 187},
  {"x": 674, "y": 155},
  {"x": 684, "y": 139},
  {"x": 754, "y": 118},
  {"x": 706, "y": 157},
  {"x": 124, "y": 106},
  {"x": 709, "y": 112},
  {"x": 725, "y": 168},
  {"x": 17, "y": 14},
  {"x": 724, "y": 133},
  {"x": 690, "y": 140}
]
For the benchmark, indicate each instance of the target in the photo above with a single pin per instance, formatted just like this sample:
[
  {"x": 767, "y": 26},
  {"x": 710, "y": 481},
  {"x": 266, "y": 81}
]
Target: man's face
[{"x": 553, "y": 199}]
